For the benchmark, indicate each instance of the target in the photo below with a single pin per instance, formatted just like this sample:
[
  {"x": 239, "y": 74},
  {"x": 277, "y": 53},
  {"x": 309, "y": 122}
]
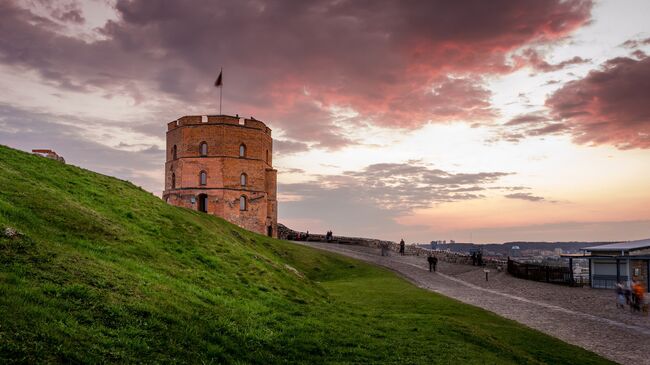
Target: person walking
[
  {"x": 430, "y": 260},
  {"x": 620, "y": 295},
  {"x": 401, "y": 247},
  {"x": 435, "y": 263},
  {"x": 384, "y": 248},
  {"x": 637, "y": 295}
]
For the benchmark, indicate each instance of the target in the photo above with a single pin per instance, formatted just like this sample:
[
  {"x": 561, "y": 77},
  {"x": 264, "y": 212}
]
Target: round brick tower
[{"x": 222, "y": 165}]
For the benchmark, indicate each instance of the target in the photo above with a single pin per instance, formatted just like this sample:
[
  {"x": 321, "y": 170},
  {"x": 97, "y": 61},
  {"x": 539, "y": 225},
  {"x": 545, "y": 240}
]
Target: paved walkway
[{"x": 583, "y": 317}]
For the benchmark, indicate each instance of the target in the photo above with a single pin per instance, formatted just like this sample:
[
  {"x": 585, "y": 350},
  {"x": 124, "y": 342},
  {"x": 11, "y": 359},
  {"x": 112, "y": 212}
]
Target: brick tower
[{"x": 222, "y": 165}]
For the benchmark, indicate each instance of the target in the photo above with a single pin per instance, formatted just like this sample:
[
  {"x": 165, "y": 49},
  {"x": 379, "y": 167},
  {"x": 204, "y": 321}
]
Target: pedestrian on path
[
  {"x": 401, "y": 247},
  {"x": 430, "y": 260},
  {"x": 620, "y": 295},
  {"x": 637, "y": 296},
  {"x": 384, "y": 248}
]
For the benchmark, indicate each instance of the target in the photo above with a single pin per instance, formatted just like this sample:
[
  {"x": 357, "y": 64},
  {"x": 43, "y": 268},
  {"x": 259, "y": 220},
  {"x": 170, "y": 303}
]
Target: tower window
[
  {"x": 203, "y": 178},
  {"x": 267, "y": 156},
  {"x": 174, "y": 156},
  {"x": 242, "y": 202},
  {"x": 173, "y": 181},
  {"x": 203, "y": 149},
  {"x": 243, "y": 179},
  {"x": 242, "y": 150}
]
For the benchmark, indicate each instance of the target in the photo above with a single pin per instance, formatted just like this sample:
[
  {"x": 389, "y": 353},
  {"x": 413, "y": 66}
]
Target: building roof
[{"x": 622, "y": 246}]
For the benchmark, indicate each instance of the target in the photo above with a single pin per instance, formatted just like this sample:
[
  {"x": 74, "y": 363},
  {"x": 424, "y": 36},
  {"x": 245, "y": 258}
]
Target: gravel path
[{"x": 584, "y": 317}]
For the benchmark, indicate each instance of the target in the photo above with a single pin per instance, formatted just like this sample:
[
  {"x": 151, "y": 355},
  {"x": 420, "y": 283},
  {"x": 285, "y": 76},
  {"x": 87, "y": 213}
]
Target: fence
[{"x": 545, "y": 273}]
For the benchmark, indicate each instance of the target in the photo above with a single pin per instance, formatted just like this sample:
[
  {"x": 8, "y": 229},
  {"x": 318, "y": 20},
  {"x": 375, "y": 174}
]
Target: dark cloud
[
  {"x": 290, "y": 62},
  {"x": 290, "y": 170},
  {"x": 377, "y": 195},
  {"x": 525, "y": 196},
  {"x": 535, "y": 60},
  {"x": 72, "y": 16},
  {"x": 285, "y": 147},
  {"x": 400, "y": 187},
  {"x": 608, "y": 106},
  {"x": 533, "y": 124},
  {"x": 635, "y": 43},
  {"x": 531, "y": 118}
]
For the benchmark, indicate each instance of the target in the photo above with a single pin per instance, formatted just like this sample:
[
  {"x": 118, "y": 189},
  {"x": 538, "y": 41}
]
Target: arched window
[
  {"x": 243, "y": 179},
  {"x": 242, "y": 150},
  {"x": 174, "y": 156},
  {"x": 173, "y": 181},
  {"x": 203, "y": 149},
  {"x": 203, "y": 178},
  {"x": 242, "y": 202}
]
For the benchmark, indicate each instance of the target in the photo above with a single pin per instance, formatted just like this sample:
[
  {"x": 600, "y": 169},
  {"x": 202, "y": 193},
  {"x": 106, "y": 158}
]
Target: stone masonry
[{"x": 223, "y": 165}]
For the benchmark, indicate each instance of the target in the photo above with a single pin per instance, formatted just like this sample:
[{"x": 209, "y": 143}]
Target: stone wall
[{"x": 410, "y": 249}]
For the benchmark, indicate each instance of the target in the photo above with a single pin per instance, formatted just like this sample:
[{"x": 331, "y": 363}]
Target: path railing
[{"x": 545, "y": 273}]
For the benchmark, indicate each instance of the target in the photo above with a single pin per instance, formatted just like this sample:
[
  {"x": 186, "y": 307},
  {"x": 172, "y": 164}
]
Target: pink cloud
[
  {"x": 609, "y": 105},
  {"x": 288, "y": 62}
]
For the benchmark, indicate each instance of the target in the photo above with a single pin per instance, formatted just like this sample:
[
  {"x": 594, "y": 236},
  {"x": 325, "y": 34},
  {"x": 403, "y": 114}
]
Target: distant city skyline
[{"x": 434, "y": 120}]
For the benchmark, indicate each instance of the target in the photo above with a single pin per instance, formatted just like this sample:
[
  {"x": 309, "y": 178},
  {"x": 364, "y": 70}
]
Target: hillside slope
[{"x": 102, "y": 271}]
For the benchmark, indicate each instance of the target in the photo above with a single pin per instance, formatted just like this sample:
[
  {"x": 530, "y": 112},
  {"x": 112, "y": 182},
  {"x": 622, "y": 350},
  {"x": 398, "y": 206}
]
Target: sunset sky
[{"x": 488, "y": 121}]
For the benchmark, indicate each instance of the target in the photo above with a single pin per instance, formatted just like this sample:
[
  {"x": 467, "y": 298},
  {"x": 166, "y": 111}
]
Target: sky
[{"x": 481, "y": 121}]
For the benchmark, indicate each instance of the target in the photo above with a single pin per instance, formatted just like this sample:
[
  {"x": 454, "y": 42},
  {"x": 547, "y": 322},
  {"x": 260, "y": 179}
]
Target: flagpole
[{"x": 220, "y": 92}]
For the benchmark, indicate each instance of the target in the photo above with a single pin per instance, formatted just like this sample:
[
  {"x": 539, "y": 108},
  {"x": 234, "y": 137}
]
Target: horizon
[{"x": 482, "y": 122}]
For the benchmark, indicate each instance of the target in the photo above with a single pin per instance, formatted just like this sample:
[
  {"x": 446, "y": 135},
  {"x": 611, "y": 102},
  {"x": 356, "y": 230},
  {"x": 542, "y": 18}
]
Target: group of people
[
  {"x": 328, "y": 236},
  {"x": 632, "y": 295},
  {"x": 477, "y": 258}
]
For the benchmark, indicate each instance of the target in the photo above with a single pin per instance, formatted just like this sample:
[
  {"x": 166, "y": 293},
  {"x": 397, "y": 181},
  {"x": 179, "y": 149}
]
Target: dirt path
[{"x": 577, "y": 316}]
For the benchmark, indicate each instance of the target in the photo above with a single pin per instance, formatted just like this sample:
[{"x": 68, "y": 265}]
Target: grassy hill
[{"x": 102, "y": 271}]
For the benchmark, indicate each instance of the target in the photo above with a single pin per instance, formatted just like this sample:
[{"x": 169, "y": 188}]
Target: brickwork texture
[{"x": 223, "y": 165}]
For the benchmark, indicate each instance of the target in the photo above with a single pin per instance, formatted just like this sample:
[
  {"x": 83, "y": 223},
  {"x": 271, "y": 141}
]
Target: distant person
[
  {"x": 384, "y": 248},
  {"x": 637, "y": 295},
  {"x": 401, "y": 247},
  {"x": 433, "y": 262},
  {"x": 307, "y": 236},
  {"x": 620, "y": 295}
]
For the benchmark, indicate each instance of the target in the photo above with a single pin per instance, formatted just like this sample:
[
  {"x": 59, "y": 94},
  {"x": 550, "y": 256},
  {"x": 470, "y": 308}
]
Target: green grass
[{"x": 106, "y": 272}]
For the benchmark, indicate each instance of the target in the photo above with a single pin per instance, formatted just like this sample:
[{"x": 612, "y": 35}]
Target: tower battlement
[{"x": 194, "y": 120}]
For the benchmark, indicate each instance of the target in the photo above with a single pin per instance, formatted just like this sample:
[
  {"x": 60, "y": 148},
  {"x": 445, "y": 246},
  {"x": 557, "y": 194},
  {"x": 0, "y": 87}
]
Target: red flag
[{"x": 219, "y": 82}]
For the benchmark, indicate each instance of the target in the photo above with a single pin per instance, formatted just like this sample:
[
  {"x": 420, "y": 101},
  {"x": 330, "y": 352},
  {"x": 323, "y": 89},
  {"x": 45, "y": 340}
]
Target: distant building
[
  {"x": 48, "y": 154},
  {"x": 222, "y": 165},
  {"x": 515, "y": 251}
]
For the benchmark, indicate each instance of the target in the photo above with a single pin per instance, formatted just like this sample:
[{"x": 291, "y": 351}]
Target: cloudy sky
[{"x": 474, "y": 120}]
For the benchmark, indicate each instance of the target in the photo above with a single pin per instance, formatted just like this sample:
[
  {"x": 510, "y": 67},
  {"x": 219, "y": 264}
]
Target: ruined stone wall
[{"x": 223, "y": 167}]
